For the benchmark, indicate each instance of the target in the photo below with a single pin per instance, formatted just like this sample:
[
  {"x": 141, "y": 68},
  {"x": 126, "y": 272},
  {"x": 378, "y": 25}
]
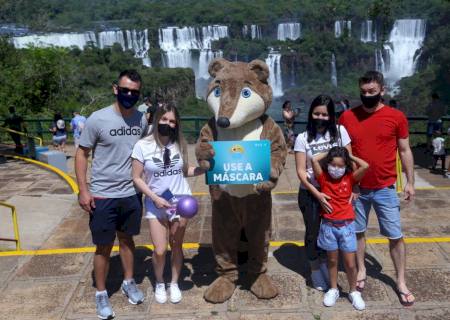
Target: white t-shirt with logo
[
  {"x": 320, "y": 144},
  {"x": 158, "y": 176}
]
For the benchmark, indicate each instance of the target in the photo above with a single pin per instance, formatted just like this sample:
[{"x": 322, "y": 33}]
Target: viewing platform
[{"x": 51, "y": 277}]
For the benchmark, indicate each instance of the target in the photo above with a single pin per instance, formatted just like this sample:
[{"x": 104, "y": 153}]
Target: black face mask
[
  {"x": 370, "y": 101},
  {"x": 127, "y": 101},
  {"x": 166, "y": 130},
  {"x": 321, "y": 123}
]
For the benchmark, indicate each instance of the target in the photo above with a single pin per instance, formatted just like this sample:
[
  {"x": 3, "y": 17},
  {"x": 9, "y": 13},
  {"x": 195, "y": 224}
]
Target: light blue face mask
[{"x": 335, "y": 172}]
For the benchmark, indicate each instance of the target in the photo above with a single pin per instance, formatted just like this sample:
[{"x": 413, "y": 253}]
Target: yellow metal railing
[
  {"x": 398, "y": 167},
  {"x": 15, "y": 224},
  {"x": 23, "y": 134}
]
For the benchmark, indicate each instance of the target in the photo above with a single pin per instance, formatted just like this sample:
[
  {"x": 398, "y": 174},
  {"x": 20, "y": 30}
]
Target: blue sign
[{"x": 239, "y": 162}]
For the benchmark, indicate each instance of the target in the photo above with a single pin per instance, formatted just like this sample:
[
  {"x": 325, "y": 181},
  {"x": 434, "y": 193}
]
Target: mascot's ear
[
  {"x": 216, "y": 65},
  {"x": 261, "y": 69}
]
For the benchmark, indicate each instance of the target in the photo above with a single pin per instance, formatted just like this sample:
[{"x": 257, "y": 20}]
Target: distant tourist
[
  {"x": 16, "y": 123},
  {"x": 289, "y": 121},
  {"x": 439, "y": 151},
  {"x": 77, "y": 126},
  {"x": 377, "y": 132},
  {"x": 435, "y": 111},
  {"x": 320, "y": 136},
  {"x": 59, "y": 131},
  {"x": 111, "y": 199}
]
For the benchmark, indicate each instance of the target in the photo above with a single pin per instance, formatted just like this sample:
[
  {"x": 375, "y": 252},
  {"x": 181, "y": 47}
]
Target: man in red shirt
[{"x": 377, "y": 131}]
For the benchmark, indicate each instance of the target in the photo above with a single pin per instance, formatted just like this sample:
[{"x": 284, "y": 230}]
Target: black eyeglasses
[
  {"x": 166, "y": 157},
  {"x": 129, "y": 91}
]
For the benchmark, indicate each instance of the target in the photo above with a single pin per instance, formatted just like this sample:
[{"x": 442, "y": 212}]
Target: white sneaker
[
  {"x": 318, "y": 281},
  {"x": 357, "y": 300},
  {"x": 160, "y": 293},
  {"x": 330, "y": 298},
  {"x": 175, "y": 293}
]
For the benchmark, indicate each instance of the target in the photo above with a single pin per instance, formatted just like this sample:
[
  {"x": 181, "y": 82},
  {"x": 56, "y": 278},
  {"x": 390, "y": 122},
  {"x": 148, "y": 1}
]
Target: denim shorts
[
  {"x": 387, "y": 208},
  {"x": 332, "y": 238}
]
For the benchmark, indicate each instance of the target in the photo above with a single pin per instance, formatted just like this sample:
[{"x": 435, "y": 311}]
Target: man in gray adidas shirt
[{"x": 112, "y": 201}]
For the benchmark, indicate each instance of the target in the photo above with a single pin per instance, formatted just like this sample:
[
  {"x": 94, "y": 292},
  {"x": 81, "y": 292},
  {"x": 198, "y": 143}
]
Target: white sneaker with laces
[
  {"x": 318, "y": 281},
  {"x": 330, "y": 297},
  {"x": 175, "y": 293},
  {"x": 357, "y": 300},
  {"x": 160, "y": 293}
]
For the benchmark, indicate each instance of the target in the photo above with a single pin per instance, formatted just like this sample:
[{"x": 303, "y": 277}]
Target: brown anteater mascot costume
[{"x": 239, "y": 96}]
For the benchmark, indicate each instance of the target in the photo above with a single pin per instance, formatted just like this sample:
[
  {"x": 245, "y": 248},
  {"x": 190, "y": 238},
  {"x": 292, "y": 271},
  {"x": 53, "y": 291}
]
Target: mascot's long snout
[{"x": 223, "y": 122}]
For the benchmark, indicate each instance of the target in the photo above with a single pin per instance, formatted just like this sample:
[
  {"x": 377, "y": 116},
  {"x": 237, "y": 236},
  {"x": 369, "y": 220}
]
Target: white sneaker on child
[
  {"x": 160, "y": 293},
  {"x": 175, "y": 293},
  {"x": 318, "y": 281},
  {"x": 330, "y": 298},
  {"x": 357, "y": 300}
]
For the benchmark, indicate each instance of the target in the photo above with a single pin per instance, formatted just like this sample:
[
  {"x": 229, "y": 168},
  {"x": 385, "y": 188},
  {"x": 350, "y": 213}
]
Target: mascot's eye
[
  {"x": 246, "y": 92},
  {"x": 217, "y": 92}
]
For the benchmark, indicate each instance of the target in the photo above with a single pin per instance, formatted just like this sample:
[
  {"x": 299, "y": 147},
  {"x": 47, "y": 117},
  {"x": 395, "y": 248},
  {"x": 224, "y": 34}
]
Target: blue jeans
[
  {"x": 387, "y": 208},
  {"x": 332, "y": 237}
]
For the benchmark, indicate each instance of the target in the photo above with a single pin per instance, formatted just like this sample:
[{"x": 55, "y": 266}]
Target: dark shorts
[{"x": 115, "y": 214}]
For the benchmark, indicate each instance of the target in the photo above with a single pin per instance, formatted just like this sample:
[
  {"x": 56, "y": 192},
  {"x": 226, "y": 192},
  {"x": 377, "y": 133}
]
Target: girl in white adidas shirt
[{"x": 161, "y": 158}]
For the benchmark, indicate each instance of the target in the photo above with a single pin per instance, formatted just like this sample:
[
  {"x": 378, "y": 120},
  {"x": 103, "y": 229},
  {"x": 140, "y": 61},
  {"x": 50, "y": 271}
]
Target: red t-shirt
[
  {"x": 340, "y": 191},
  {"x": 374, "y": 139}
]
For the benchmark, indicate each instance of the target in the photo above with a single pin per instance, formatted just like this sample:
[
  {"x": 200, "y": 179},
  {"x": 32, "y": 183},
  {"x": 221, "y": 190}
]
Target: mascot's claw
[
  {"x": 262, "y": 287},
  {"x": 204, "y": 153},
  {"x": 264, "y": 186},
  {"x": 220, "y": 290}
]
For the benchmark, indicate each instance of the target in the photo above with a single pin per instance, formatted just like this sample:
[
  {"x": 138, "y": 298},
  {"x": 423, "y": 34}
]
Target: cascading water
[
  {"x": 273, "y": 60},
  {"x": 190, "y": 47},
  {"x": 254, "y": 31},
  {"x": 368, "y": 31},
  {"x": 137, "y": 41},
  {"x": 333, "y": 71},
  {"x": 340, "y": 26},
  {"x": 402, "y": 50},
  {"x": 290, "y": 31}
]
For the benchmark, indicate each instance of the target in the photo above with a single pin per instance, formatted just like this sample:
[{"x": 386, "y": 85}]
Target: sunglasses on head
[{"x": 127, "y": 91}]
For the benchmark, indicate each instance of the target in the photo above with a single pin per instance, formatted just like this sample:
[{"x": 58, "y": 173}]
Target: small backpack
[{"x": 60, "y": 124}]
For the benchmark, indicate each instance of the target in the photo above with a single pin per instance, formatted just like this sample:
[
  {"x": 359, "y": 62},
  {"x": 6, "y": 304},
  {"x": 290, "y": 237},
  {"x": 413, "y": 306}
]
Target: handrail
[
  {"x": 15, "y": 224},
  {"x": 23, "y": 134}
]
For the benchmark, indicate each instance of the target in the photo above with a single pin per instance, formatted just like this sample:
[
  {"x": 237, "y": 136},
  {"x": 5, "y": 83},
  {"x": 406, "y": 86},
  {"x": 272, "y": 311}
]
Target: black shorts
[{"x": 115, "y": 214}]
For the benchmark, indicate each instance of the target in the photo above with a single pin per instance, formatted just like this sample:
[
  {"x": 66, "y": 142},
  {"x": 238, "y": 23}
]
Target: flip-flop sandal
[
  {"x": 405, "y": 295},
  {"x": 358, "y": 284}
]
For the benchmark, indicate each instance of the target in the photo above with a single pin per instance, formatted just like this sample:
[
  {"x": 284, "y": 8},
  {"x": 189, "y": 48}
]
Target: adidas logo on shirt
[{"x": 122, "y": 131}]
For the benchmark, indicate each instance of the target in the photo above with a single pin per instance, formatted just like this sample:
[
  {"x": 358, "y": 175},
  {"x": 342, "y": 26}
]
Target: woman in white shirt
[
  {"x": 321, "y": 135},
  {"x": 161, "y": 158}
]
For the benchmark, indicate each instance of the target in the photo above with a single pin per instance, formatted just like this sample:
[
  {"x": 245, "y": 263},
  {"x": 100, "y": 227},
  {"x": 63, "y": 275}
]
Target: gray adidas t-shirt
[{"x": 112, "y": 138}]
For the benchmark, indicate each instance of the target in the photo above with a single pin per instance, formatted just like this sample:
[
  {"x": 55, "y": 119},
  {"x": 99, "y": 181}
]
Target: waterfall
[
  {"x": 65, "y": 40},
  {"x": 290, "y": 31},
  {"x": 340, "y": 26},
  {"x": 254, "y": 31},
  {"x": 402, "y": 50},
  {"x": 379, "y": 61},
  {"x": 368, "y": 31},
  {"x": 190, "y": 47},
  {"x": 333, "y": 71},
  {"x": 137, "y": 41},
  {"x": 273, "y": 61}
]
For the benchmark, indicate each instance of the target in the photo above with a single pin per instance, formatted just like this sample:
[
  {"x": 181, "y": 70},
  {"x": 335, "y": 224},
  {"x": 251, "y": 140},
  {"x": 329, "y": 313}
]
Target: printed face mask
[{"x": 335, "y": 172}]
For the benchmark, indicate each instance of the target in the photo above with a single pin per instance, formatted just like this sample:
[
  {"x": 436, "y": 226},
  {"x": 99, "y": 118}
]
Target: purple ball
[{"x": 187, "y": 207}]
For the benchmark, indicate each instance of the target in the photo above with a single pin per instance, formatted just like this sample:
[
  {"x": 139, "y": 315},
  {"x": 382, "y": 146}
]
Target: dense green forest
[{"x": 42, "y": 80}]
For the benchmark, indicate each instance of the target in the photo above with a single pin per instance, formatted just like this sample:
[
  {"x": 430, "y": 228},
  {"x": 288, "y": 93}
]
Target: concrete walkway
[{"x": 60, "y": 286}]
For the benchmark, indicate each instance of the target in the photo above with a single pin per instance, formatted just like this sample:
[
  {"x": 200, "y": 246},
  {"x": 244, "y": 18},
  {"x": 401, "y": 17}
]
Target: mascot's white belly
[{"x": 249, "y": 131}]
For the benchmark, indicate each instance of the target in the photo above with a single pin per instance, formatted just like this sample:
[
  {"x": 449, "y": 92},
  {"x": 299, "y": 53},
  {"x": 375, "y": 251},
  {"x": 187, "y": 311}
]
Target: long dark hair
[
  {"x": 322, "y": 100},
  {"x": 337, "y": 152}
]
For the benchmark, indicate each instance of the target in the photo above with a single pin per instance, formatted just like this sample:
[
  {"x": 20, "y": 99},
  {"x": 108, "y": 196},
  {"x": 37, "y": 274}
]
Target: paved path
[{"x": 59, "y": 286}]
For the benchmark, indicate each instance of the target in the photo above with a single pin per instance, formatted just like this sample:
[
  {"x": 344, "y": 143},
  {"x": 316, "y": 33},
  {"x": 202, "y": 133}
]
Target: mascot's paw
[
  {"x": 220, "y": 290},
  {"x": 204, "y": 151},
  {"x": 262, "y": 287},
  {"x": 264, "y": 186}
]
